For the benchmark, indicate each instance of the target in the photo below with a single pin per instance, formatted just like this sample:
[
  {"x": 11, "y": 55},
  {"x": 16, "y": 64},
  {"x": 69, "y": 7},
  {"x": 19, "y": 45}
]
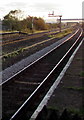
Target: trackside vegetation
[
  {"x": 20, "y": 50},
  {"x": 14, "y": 21}
]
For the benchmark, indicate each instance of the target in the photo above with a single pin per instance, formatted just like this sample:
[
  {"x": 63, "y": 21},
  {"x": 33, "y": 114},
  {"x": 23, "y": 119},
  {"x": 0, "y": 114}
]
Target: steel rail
[
  {"x": 31, "y": 46},
  {"x": 54, "y": 86},
  {"x": 39, "y": 58},
  {"x": 24, "y": 39},
  {"x": 27, "y": 102},
  {"x": 38, "y": 43}
]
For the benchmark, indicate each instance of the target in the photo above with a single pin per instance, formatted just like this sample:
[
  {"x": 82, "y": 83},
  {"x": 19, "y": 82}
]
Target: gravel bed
[
  {"x": 24, "y": 43},
  {"x": 10, "y": 71}
]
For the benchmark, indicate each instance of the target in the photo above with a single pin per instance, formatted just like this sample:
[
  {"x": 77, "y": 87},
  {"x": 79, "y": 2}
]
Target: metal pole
[
  {"x": 60, "y": 23},
  {"x": 52, "y": 15},
  {"x": 32, "y": 24}
]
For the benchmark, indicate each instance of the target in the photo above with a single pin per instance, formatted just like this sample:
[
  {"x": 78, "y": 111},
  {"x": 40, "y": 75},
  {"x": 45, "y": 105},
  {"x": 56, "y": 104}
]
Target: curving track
[
  {"x": 27, "y": 42},
  {"x": 19, "y": 36},
  {"x": 23, "y": 92}
]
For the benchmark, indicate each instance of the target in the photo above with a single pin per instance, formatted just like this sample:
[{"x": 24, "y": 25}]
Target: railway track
[
  {"x": 26, "y": 43},
  {"x": 23, "y": 92},
  {"x": 20, "y": 36}
]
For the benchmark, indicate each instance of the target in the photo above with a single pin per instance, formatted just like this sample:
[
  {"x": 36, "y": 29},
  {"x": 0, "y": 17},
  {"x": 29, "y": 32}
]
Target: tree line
[{"x": 13, "y": 21}]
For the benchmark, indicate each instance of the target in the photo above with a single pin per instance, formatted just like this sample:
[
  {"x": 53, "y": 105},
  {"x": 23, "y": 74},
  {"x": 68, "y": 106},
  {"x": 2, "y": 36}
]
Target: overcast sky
[{"x": 41, "y": 8}]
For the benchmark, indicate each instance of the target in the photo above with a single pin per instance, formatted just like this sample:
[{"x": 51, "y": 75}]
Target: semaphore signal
[{"x": 53, "y": 15}]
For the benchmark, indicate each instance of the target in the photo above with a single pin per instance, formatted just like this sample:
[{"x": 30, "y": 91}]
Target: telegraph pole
[
  {"x": 32, "y": 23},
  {"x": 52, "y": 15},
  {"x": 60, "y": 23}
]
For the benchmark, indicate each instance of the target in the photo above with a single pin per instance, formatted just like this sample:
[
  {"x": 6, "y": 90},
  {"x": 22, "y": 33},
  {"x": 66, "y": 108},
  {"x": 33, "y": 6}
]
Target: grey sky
[{"x": 68, "y": 8}]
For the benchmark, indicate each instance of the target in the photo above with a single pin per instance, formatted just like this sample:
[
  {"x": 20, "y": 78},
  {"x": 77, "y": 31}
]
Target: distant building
[{"x": 72, "y": 20}]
